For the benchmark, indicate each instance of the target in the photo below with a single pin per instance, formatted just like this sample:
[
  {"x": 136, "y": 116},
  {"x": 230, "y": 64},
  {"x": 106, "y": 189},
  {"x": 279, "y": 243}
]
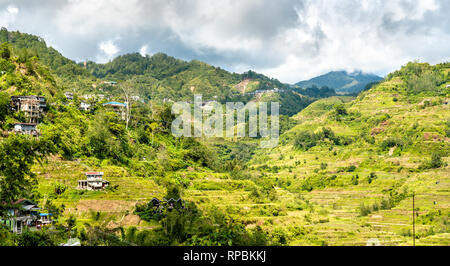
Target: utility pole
[{"x": 414, "y": 223}]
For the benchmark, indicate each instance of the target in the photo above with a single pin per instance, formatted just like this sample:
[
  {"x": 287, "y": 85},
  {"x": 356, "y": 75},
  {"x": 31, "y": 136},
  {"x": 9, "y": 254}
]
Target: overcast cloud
[{"x": 290, "y": 40}]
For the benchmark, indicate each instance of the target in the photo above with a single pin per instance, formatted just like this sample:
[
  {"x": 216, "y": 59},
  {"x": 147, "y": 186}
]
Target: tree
[
  {"x": 17, "y": 155},
  {"x": 4, "y": 105},
  {"x": 128, "y": 90},
  {"x": 436, "y": 161},
  {"x": 5, "y": 51},
  {"x": 340, "y": 109}
]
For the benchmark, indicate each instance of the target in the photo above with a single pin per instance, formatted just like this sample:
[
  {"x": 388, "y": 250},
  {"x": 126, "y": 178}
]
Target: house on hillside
[
  {"x": 167, "y": 204},
  {"x": 111, "y": 83},
  {"x": 137, "y": 98},
  {"x": 88, "y": 96},
  {"x": 69, "y": 95},
  {"x": 24, "y": 214},
  {"x": 26, "y": 128},
  {"x": 45, "y": 219},
  {"x": 33, "y": 106},
  {"x": 85, "y": 106},
  {"x": 118, "y": 108},
  {"x": 93, "y": 181}
]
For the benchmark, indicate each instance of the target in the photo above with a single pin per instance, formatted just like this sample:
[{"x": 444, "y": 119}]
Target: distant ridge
[{"x": 341, "y": 81}]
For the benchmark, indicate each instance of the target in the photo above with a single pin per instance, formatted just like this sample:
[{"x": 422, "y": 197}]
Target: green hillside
[
  {"x": 357, "y": 163},
  {"x": 163, "y": 77},
  {"x": 66, "y": 72},
  {"x": 158, "y": 77}
]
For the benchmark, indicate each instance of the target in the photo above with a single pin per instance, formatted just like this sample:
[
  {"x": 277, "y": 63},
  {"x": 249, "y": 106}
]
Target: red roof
[{"x": 94, "y": 173}]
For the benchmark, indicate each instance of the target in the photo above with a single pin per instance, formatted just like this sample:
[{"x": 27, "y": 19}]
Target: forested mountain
[
  {"x": 28, "y": 46},
  {"x": 158, "y": 77},
  {"x": 341, "y": 81},
  {"x": 175, "y": 79}
]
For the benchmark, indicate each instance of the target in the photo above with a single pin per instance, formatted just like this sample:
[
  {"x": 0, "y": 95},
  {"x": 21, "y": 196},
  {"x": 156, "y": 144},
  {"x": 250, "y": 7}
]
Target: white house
[
  {"x": 93, "y": 181},
  {"x": 85, "y": 106},
  {"x": 26, "y": 128}
]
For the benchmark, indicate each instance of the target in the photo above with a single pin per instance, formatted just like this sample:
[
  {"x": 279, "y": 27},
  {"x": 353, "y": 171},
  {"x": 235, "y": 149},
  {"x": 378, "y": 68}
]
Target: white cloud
[
  {"x": 109, "y": 50},
  {"x": 287, "y": 39},
  {"x": 8, "y": 16},
  {"x": 12, "y": 10},
  {"x": 144, "y": 50},
  {"x": 86, "y": 18},
  {"x": 355, "y": 39}
]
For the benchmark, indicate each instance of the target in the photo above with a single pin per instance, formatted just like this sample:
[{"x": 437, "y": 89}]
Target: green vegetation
[
  {"x": 359, "y": 161},
  {"x": 344, "y": 171}
]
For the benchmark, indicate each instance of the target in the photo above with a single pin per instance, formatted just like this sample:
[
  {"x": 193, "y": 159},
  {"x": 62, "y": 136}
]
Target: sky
[{"x": 291, "y": 40}]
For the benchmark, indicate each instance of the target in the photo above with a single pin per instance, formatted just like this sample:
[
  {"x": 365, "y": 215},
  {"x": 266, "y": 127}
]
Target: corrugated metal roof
[
  {"x": 115, "y": 103},
  {"x": 94, "y": 173}
]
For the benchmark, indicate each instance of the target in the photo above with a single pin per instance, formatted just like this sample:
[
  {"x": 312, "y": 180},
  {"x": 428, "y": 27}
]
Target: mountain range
[{"x": 341, "y": 81}]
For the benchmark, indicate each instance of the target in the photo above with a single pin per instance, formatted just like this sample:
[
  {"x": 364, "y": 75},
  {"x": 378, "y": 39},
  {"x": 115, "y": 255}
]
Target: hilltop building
[
  {"x": 93, "y": 181},
  {"x": 33, "y": 106}
]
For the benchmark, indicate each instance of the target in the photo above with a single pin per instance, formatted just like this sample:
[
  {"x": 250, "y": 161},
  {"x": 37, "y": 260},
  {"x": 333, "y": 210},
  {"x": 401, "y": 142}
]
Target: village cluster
[
  {"x": 25, "y": 213},
  {"x": 34, "y": 106}
]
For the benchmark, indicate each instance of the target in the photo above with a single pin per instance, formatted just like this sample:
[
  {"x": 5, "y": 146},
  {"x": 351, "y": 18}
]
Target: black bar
[{"x": 131, "y": 256}]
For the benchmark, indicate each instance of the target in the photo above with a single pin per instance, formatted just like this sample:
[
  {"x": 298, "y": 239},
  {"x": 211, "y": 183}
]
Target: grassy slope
[{"x": 338, "y": 221}]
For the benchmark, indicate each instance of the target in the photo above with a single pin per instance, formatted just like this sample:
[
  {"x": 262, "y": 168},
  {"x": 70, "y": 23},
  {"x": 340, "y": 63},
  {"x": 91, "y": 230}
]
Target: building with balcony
[
  {"x": 33, "y": 106},
  {"x": 93, "y": 181}
]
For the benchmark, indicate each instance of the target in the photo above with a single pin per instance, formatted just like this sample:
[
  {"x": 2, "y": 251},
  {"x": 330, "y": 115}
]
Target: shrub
[
  {"x": 339, "y": 109},
  {"x": 392, "y": 142},
  {"x": 355, "y": 180},
  {"x": 5, "y": 51},
  {"x": 371, "y": 177},
  {"x": 385, "y": 204},
  {"x": 436, "y": 161},
  {"x": 364, "y": 210},
  {"x": 35, "y": 238},
  {"x": 305, "y": 140},
  {"x": 349, "y": 169},
  {"x": 433, "y": 163}
]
